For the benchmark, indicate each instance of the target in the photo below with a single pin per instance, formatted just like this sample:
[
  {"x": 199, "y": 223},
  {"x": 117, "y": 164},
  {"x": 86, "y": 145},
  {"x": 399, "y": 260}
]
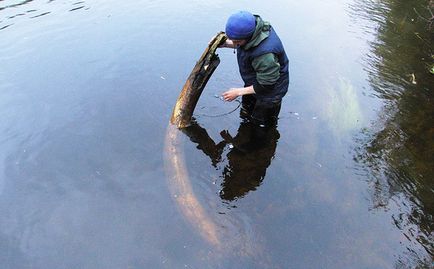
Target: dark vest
[{"x": 245, "y": 57}]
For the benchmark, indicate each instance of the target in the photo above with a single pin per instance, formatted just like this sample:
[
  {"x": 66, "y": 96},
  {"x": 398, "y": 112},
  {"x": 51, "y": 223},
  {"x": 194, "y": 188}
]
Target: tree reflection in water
[
  {"x": 398, "y": 154},
  {"x": 250, "y": 154}
]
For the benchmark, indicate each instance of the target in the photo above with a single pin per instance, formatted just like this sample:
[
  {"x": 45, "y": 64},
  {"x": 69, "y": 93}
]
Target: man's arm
[
  {"x": 267, "y": 70},
  {"x": 228, "y": 44},
  {"x": 235, "y": 92}
]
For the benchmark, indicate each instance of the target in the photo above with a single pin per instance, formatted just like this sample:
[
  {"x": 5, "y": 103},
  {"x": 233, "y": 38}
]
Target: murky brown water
[{"x": 86, "y": 91}]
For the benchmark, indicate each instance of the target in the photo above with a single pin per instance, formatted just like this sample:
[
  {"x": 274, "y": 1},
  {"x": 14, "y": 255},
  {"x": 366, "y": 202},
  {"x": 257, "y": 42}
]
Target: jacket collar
[{"x": 262, "y": 31}]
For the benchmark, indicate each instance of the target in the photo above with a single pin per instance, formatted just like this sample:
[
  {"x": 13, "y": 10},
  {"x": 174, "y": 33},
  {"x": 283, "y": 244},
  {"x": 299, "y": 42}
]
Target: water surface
[{"x": 86, "y": 92}]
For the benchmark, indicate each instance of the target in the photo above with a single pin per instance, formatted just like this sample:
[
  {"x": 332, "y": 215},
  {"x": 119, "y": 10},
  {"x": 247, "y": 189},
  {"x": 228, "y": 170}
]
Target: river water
[{"x": 86, "y": 93}]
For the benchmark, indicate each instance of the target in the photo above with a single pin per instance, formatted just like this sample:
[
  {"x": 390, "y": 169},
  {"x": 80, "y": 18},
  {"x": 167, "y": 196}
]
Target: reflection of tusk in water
[
  {"x": 181, "y": 190},
  {"x": 179, "y": 182}
]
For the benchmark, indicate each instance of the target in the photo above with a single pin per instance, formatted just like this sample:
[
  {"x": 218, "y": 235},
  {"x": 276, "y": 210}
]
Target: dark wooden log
[{"x": 196, "y": 82}]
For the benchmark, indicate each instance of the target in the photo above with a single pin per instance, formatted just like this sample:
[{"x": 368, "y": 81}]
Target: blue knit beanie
[{"x": 240, "y": 25}]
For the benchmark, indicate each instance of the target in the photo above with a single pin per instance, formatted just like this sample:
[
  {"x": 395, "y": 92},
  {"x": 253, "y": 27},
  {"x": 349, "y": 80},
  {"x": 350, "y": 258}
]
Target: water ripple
[
  {"x": 40, "y": 15},
  {"x": 16, "y": 5},
  {"x": 15, "y": 13}
]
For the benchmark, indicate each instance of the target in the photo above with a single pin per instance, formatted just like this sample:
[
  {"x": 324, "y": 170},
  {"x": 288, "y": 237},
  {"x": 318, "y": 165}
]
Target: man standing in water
[{"x": 263, "y": 65}]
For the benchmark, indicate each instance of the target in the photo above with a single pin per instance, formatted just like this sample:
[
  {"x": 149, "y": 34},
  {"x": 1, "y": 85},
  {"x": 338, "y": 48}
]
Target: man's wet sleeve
[{"x": 267, "y": 69}]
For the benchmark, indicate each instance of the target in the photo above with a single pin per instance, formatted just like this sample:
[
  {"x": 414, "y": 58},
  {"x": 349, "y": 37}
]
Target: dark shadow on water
[
  {"x": 398, "y": 154},
  {"x": 250, "y": 153}
]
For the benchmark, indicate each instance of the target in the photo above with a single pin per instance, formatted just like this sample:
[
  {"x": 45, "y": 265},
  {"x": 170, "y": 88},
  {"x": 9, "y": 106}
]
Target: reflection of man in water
[{"x": 251, "y": 151}]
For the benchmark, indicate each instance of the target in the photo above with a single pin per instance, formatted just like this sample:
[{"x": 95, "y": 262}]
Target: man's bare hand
[
  {"x": 231, "y": 94},
  {"x": 228, "y": 44}
]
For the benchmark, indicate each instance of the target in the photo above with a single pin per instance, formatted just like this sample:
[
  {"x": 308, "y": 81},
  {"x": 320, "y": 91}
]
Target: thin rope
[{"x": 224, "y": 114}]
